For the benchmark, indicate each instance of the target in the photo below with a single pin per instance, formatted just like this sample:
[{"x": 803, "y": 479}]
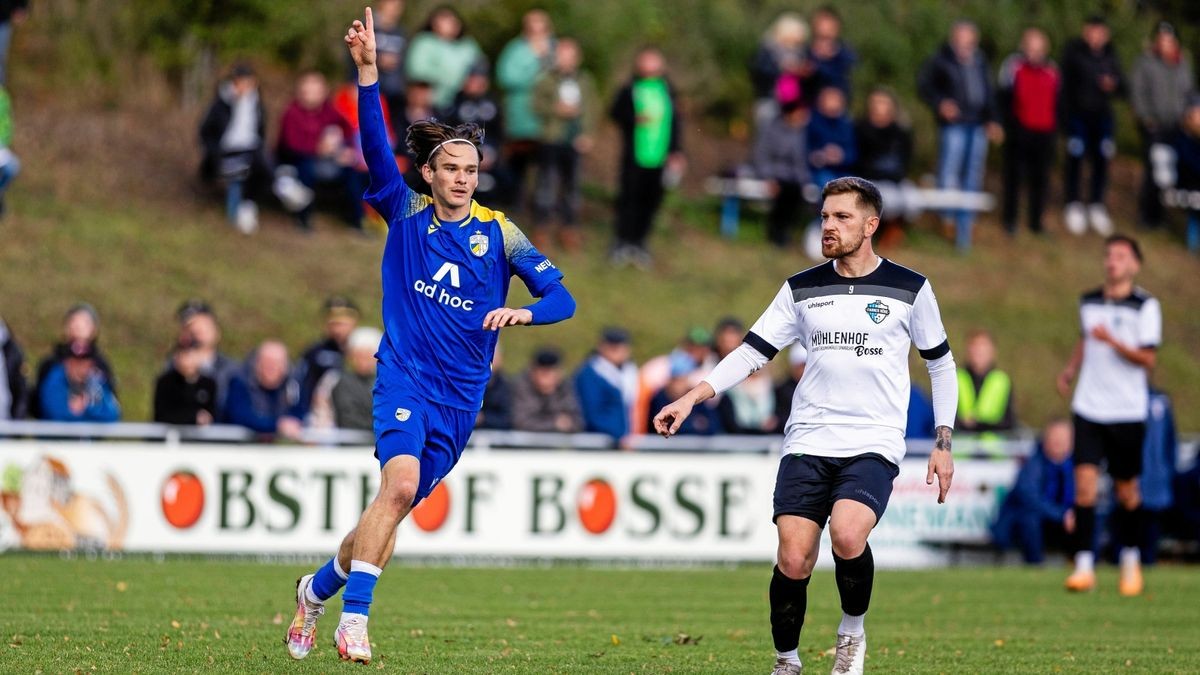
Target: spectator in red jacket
[
  {"x": 316, "y": 146},
  {"x": 1028, "y": 90}
]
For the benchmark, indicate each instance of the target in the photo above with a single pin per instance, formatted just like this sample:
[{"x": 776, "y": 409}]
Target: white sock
[
  {"x": 1131, "y": 557},
  {"x": 791, "y": 657},
  {"x": 337, "y": 569},
  {"x": 851, "y": 625},
  {"x": 347, "y": 616},
  {"x": 1085, "y": 561},
  {"x": 310, "y": 597},
  {"x": 360, "y": 566}
]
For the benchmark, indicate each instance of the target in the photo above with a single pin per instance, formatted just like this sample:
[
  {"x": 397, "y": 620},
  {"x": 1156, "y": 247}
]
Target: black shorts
[
  {"x": 808, "y": 485},
  {"x": 1120, "y": 443}
]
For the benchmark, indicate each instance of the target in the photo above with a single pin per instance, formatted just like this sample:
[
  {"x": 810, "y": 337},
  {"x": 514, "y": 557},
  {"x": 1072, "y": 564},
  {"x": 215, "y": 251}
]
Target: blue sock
[
  {"x": 328, "y": 580},
  {"x": 360, "y": 587}
]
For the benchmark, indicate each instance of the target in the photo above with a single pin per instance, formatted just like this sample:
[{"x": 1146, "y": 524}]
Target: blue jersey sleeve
[
  {"x": 388, "y": 193},
  {"x": 526, "y": 262}
]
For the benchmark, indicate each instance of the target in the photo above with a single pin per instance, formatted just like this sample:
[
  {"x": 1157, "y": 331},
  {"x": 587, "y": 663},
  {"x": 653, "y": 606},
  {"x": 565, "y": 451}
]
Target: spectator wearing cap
[
  {"x": 1091, "y": 80},
  {"x": 704, "y": 420},
  {"x": 476, "y": 104},
  {"x": 265, "y": 398},
  {"x": 521, "y": 62},
  {"x": 233, "y": 138},
  {"x": 607, "y": 384},
  {"x": 656, "y": 372},
  {"x": 342, "y": 397},
  {"x": 200, "y": 331},
  {"x": 441, "y": 54},
  {"x": 183, "y": 394},
  {"x": 327, "y": 353},
  {"x": 77, "y": 390},
  {"x": 13, "y": 393},
  {"x": 1028, "y": 89},
  {"x": 785, "y": 391},
  {"x": 496, "y": 412},
  {"x": 542, "y": 398},
  {"x": 781, "y": 159},
  {"x": 81, "y": 323},
  {"x": 956, "y": 84},
  {"x": 1161, "y": 81}
]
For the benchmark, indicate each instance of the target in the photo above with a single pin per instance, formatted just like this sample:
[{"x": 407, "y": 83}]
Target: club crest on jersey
[
  {"x": 402, "y": 414},
  {"x": 479, "y": 244},
  {"x": 878, "y": 311}
]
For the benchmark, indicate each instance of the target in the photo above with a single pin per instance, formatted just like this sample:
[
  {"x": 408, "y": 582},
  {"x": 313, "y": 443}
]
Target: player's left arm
[
  {"x": 1144, "y": 354},
  {"x": 929, "y": 335},
  {"x": 544, "y": 281}
]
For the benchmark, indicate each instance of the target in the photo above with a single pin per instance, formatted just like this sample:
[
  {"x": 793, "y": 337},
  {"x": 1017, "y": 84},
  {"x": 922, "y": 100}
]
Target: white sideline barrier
[{"x": 523, "y": 504}]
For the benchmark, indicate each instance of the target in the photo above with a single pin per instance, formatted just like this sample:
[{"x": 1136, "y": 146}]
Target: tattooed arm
[{"x": 941, "y": 463}]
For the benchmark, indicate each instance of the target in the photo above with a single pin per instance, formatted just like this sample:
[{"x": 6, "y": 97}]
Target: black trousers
[
  {"x": 557, "y": 191},
  {"x": 785, "y": 213},
  {"x": 1027, "y": 159},
  {"x": 1089, "y": 140},
  {"x": 640, "y": 195},
  {"x": 1150, "y": 209}
]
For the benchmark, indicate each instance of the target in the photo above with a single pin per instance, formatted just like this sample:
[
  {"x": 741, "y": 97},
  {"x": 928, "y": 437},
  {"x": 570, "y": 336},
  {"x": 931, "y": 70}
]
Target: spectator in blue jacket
[
  {"x": 265, "y": 398},
  {"x": 919, "y": 422},
  {"x": 830, "y": 62},
  {"x": 77, "y": 390},
  {"x": 831, "y": 148},
  {"x": 1039, "y": 505},
  {"x": 607, "y": 385},
  {"x": 1158, "y": 472}
]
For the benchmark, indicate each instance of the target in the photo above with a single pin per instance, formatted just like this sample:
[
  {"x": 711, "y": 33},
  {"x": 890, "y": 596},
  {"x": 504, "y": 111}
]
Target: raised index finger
[{"x": 370, "y": 22}]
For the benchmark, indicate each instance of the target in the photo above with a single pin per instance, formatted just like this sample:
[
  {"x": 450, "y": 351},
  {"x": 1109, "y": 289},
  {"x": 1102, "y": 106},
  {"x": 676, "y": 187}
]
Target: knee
[
  {"x": 796, "y": 564},
  {"x": 847, "y": 544},
  {"x": 397, "y": 497},
  {"x": 1085, "y": 489}
]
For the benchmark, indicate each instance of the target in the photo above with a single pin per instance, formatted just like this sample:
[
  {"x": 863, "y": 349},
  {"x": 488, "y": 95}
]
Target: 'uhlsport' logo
[{"x": 878, "y": 311}]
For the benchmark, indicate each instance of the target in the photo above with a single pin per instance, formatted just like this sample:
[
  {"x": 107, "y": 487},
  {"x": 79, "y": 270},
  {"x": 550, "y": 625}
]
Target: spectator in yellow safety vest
[{"x": 985, "y": 399}]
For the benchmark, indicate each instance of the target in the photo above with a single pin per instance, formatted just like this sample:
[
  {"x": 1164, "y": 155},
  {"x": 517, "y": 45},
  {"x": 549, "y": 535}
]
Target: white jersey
[
  {"x": 853, "y": 397},
  {"x": 1111, "y": 389}
]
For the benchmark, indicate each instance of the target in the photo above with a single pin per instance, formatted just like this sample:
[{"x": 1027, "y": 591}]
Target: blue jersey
[{"x": 441, "y": 279}]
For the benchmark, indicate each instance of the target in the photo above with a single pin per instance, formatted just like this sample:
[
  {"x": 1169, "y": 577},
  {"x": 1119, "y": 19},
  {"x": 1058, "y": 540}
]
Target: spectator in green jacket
[
  {"x": 442, "y": 54},
  {"x": 521, "y": 62},
  {"x": 985, "y": 400},
  {"x": 565, "y": 99}
]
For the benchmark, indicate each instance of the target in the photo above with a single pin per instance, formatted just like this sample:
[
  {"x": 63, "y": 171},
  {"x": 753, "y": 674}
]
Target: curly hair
[{"x": 425, "y": 137}]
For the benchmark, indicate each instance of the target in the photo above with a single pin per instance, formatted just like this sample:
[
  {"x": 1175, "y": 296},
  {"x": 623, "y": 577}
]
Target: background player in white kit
[
  {"x": 1121, "y": 330},
  {"x": 857, "y": 316}
]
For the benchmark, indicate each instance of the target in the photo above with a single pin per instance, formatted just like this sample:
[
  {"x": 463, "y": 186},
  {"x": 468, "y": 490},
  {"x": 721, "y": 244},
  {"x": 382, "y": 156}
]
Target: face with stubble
[{"x": 845, "y": 225}]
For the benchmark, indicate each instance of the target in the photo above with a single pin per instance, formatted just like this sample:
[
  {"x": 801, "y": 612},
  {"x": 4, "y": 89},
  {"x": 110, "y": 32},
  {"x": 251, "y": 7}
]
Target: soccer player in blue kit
[{"x": 446, "y": 270}]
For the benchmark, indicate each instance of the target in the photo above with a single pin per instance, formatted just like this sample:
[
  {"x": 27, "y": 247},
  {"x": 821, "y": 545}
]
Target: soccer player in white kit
[
  {"x": 1118, "y": 346},
  {"x": 857, "y": 316}
]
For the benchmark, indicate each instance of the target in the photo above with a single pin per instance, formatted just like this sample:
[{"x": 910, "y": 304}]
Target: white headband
[{"x": 448, "y": 141}]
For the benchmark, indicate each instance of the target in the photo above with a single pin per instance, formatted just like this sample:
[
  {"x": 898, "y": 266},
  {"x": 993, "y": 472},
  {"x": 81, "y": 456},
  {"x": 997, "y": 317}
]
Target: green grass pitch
[{"x": 191, "y": 615}]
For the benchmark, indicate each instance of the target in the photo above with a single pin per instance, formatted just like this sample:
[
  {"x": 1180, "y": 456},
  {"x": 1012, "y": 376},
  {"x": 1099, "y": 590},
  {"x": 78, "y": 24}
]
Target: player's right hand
[
  {"x": 360, "y": 38},
  {"x": 669, "y": 419}
]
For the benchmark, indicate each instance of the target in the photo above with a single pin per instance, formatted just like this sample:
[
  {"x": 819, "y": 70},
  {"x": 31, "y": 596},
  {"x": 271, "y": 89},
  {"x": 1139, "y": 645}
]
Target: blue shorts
[
  {"x": 808, "y": 486},
  {"x": 406, "y": 423}
]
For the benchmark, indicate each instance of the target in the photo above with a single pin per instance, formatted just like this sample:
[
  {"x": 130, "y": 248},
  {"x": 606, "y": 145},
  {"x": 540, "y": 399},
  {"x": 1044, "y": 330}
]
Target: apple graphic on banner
[
  {"x": 182, "y": 499},
  {"x": 597, "y": 505},
  {"x": 431, "y": 513}
]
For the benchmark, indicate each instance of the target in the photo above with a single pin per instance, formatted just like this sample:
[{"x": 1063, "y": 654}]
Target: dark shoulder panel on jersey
[
  {"x": 888, "y": 280},
  {"x": 1135, "y": 300}
]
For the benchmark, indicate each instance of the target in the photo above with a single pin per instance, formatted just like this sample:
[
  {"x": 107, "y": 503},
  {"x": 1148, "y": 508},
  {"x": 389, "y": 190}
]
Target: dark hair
[
  {"x": 1096, "y": 20},
  {"x": 829, "y": 11},
  {"x": 1128, "y": 241},
  {"x": 440, "y": 9},
  {"x": 868, "y": 194},
  {"x": 425, "y": 136}
]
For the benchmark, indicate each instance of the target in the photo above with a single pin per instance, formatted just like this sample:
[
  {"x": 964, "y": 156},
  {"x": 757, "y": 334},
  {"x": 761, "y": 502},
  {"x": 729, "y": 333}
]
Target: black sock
[
  {"x": 789, "y": 602},
  {"x": 1085, "y": 528},
  {"x": 855, "y": 577},
  {"x": 1129, "y": 526}
]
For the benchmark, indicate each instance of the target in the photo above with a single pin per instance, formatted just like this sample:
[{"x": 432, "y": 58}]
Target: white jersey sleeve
[
  {"x": 778, "y": 327},
  {"x": 1150, "y": 324},
  {"x": 926, "y": 329}
]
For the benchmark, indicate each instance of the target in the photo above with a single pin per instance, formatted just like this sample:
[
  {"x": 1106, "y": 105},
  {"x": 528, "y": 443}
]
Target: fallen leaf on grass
[
  {"x": 998, "y": 643},
  {"x": 596, "y": 655},
  {"x": 122, "y": 586},
  {"x": 685, "y": 639},
  {"x": 175, "y": 624},
  {"x": 278, "y": 620},
  {"x": 615, "y": 640}
]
